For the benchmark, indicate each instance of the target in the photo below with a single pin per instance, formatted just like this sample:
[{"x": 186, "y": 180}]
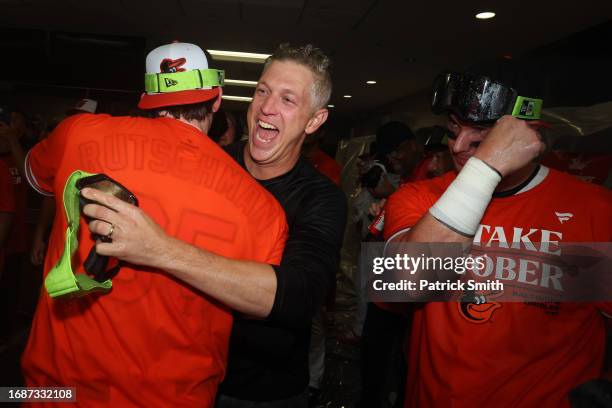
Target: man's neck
[
  {"x": 517, "y": 178},
  {"x": 201, "y": 125},
  {"x": 309, "y": 149},
  {"x": 267, "y": 171},
  {"x": 195, "y": 123}
]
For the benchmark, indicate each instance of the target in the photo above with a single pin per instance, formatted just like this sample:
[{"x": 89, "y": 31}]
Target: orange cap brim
[{"x": 160, "y": 100}]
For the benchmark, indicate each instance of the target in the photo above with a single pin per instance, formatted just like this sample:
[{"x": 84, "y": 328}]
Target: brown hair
[{"x": 194, "y": 111}]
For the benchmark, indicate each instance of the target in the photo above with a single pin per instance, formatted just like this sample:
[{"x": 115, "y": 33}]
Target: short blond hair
[{"x": 314, "y": 59}]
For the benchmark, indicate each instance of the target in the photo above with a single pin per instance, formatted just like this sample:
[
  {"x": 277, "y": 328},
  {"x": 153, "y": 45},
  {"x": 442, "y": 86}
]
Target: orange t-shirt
[
  {"x": 152, "y": 341},
  {"x": 508, "y": 354},
  {"x": 325, "y": 165}
]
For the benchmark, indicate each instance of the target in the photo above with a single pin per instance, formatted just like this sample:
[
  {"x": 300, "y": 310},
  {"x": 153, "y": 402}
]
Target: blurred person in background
[{"x": 13, "y": 230}]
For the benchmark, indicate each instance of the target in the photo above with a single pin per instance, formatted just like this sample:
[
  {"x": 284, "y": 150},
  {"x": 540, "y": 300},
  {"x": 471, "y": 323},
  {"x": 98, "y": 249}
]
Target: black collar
[{"x": 513, "y": 191}]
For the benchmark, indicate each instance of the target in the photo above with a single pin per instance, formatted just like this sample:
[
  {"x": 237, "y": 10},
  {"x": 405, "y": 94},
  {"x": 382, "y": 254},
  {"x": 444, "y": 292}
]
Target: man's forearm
[
  {"x": 18, "y": 155},
  {"x": 425, "y": 239},
  {"x": 429, "y": 229},
  {"x": 245, "y": 286}
]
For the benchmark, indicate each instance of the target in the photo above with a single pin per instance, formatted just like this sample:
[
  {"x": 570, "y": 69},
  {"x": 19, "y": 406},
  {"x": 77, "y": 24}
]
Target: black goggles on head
[{"x": 479, "y": 99}]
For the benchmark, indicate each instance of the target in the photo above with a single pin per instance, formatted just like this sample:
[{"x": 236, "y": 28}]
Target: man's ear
[
  {"x": 316, "y": 121},
  {"x": 217, "y": 103}
]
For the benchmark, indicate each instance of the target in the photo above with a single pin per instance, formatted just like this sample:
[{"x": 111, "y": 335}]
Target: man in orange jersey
[
  {"x": 268, "y": 359},
  {"x": 152, "y": 341},
  {"x": 500, "y": 354}
]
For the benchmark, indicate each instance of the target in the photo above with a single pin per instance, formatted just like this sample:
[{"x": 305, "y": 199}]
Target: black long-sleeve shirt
[{"x": 268, "y": 359}]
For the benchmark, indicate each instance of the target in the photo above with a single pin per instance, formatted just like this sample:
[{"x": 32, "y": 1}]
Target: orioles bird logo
[
  {"x": 169, "y": 65},
  {"x": 475, "y": 307}
]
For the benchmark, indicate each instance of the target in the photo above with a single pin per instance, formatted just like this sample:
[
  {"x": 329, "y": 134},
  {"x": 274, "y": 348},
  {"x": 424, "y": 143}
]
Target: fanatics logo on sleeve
[{"x": 563, "y": 217}]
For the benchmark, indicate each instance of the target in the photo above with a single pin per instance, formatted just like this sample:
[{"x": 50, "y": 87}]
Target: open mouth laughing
[{"x": 265, "y": 132}]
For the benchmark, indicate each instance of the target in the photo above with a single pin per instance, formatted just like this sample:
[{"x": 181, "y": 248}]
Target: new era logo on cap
[{"x": 170, "y": 82}]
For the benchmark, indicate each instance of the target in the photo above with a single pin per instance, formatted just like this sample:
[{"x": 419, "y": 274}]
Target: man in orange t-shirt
[
  {"x": 500, "y": 354},
  {"x": 152, "y": 341}
]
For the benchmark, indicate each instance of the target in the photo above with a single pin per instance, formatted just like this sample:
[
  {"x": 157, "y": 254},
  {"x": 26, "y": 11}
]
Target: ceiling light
[
  {"x": 370, "y": 82},
  {"x": 348, "y": 96},
  {"x": 331, "y": 106},
  {"x": 221, "y": 55},
  {"x": 237, "y": 98},
  {"x": 240, "y": 82},
  {"x": 485, "y": 15}
]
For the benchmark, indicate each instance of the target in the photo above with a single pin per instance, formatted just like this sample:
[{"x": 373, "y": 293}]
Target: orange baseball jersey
[
  {"x": 152, "y": 341},
  {"x": 326, "y": 165},
  {"x": 508, "y": 354}
]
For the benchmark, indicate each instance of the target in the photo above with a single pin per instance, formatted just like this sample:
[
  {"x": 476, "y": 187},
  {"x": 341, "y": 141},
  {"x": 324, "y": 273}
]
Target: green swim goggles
[{"x": 62, "y": 280}]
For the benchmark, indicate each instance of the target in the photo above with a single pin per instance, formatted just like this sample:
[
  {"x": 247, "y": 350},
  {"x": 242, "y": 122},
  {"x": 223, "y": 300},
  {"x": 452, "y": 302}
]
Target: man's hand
[
  {"x": 8, "y": 134},
  {"x": 376, "y": 207},
  {"x": 37, "y": 253},
  {"x": 510, "y": 145},
  {"x": 136, "y": 238}
]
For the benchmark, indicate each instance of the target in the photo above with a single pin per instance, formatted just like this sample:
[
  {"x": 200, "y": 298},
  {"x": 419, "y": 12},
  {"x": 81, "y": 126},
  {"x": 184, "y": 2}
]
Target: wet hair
[
  {"x": 193, "y": 111},
  {"x": 314, "y": 59}
]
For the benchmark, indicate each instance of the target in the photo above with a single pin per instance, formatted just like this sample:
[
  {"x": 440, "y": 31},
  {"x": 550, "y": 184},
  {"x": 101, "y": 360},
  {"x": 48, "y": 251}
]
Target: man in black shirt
[{"x": 268, "y": 358}]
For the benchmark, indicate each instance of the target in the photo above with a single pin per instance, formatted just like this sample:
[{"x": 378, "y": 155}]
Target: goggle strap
[
  {"x": 184, "y": 81},
  {"x": 527, "y": 108}
]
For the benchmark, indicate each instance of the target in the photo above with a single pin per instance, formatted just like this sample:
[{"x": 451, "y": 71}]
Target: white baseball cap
[{"x": 178, "y": 74}]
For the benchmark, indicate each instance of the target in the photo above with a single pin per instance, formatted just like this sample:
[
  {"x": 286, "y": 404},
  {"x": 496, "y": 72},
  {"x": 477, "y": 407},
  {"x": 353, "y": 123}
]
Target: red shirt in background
[
  {"x": 326, "y": 165},
  {"x": 7, "y": 202},
  {"x": 589, "y": 167},
  {"x": 17, "y": 242},
  {"x": 7, "y": 192}
]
